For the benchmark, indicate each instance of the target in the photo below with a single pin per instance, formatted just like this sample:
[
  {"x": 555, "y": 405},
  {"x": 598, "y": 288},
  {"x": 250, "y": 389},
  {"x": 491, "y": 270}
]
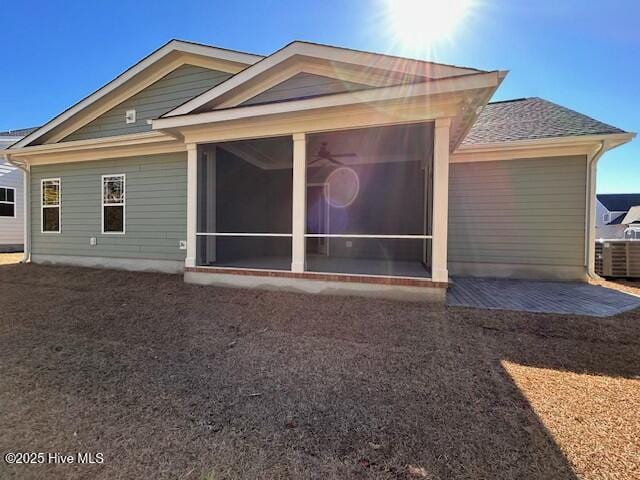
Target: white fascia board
[
  {"x": 172, "y": 46},
  {"x": 324, "y": 52},
  {"x": 545, "y": 147},
  {"x": 405, "y": 91},
  {"x": 615, "y": 139},
  {"x": 92, "y": 143}
]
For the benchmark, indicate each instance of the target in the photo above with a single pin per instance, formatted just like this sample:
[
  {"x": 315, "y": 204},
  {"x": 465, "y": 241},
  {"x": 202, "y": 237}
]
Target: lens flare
[
  {"x": 342, "y": 187},
  {"x": 418, "y": 24}
]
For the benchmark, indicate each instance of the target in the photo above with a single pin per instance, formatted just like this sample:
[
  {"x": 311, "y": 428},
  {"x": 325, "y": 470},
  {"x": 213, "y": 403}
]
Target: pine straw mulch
[
  {"x": 170, "y": 381},
  {"x": 631, "y": 286},
  {"x": 9, "y": 258}
]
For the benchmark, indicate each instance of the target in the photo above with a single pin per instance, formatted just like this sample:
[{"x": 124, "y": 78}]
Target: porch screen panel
[
  {"x": 368, "y": 201},
  {"x": 244, "y": 205}
]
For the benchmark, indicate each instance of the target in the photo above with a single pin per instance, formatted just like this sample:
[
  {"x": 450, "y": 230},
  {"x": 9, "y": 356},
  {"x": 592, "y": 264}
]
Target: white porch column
[
  {"x": 192, "y": 203},
  {"x": 439, "y": 268},
  {"x": 299, "y": 202}
]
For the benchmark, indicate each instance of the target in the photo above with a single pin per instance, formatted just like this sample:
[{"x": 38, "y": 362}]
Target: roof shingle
[
  {"x": 18, "y": 133},
  {"x": 531, "y": 118},
  {"x": 619, "y": 202}
]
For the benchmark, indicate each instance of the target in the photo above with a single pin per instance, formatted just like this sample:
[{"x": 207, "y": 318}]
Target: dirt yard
[{"x": 175, "y": 381}]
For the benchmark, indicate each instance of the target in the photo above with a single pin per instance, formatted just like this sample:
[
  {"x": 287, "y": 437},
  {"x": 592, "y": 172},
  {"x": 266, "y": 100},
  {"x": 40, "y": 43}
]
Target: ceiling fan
[{"x": 325, "y": 154}]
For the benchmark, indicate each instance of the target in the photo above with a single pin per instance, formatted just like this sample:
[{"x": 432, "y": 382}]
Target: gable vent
[{"x": 130, "y": 116}]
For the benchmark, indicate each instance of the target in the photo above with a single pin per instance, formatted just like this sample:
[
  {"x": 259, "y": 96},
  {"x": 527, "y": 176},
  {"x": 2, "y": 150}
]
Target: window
[
  {"x": 50, "y": 205},
  {"x": 113, "y": 203},
  {"x": 7, "y": 202},
  {"x": 632, "y": 233},
  {"x": 606, "y": 217}
]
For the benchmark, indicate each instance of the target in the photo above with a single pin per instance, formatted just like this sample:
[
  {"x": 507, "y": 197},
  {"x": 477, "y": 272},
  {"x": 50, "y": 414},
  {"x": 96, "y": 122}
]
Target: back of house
[{"x": 316, "y": 168}]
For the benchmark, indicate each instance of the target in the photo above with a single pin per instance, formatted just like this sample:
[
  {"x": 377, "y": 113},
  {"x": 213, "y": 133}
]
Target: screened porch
[{"x": 365, "y": 202}]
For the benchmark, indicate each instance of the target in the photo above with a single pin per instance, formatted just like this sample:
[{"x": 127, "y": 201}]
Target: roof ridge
[{"x": 521, "y": 99}]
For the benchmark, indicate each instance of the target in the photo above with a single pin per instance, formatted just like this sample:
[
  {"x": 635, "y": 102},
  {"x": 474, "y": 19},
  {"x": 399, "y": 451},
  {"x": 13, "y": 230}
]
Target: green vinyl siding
[
  {"x": 156, "y": 208},
  {"x": 529, "y": 211},
  {"x": 304, "y": 85},
  {"x": 172, "y": 90}
]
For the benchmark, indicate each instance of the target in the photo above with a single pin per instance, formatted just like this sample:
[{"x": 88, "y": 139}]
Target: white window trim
[
  {"x": 58, "y": 206},
  {"x": 10, "y": 203},
  {"x": 633, "y": 232},
  {"x": 123, "y": 204}
]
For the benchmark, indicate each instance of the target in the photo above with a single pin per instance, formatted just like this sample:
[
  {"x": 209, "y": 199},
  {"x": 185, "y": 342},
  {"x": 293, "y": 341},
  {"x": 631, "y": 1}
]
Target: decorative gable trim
[
  {"x": 398, "y": 93},
  {"x": 153, "y": 67},
  {"x": 373, "y": 70}
]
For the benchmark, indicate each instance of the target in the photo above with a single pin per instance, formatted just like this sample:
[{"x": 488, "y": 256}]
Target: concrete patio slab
[{"x": 538, "y": 296}]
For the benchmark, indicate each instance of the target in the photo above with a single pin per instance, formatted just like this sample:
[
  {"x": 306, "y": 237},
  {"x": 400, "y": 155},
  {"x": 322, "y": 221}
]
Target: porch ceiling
[{"x": 369, "y": 145}]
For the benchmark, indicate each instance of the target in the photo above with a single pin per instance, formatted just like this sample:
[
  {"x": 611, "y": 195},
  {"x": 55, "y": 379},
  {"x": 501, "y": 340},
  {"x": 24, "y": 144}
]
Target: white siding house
[
  {"x": 617, "y": 216},
  {"x": 11, "y": 197}
]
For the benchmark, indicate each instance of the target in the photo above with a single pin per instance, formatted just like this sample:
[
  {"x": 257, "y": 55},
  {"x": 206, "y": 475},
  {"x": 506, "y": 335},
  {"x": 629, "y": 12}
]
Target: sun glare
[{"x": 418, "y": 24}]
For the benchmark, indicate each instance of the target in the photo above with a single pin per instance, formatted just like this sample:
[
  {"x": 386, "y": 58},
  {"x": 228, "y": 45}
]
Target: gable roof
[
  {"x": 619, "y": 202},
  {"x": 531, "y": 118},
  {"x": 168, "y": 48},
  {"x": 420, "y": 70},
  {"x": 632, "y": 216}
]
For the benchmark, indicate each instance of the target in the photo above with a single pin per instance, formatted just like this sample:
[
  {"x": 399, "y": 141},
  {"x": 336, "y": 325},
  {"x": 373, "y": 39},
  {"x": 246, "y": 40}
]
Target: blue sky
[{"x": 584, "y": 55}]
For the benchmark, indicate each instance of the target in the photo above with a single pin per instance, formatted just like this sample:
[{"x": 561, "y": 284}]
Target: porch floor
[
  {"x": 324, "y": 264},
  {"x": 539, "y": 296}
]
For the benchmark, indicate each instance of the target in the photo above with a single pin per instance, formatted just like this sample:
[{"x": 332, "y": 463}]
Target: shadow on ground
[{"x": 179, "y": 381}]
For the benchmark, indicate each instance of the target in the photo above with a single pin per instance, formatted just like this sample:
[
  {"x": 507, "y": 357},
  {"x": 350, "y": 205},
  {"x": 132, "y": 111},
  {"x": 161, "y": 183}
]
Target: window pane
[
  {"x": 113, "y": 190},
  {"x": 370, "y": 181},
  {"x": 3, "y": 194},
  {"x": 51, "y": 219},
  {"x": 114, "y": 219},
  {"x": 246, "y": 187},
  {"x": 51, "y": 192},
  {"x": 10, "y": 195},
  {"x": 7, "y": 209}
]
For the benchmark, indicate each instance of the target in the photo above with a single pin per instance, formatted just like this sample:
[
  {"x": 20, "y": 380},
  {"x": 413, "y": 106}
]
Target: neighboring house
[
  {"x": 11, "y": 196},
  {"x": 618, "y": 216},
  {"x": 316, "y": 168}
]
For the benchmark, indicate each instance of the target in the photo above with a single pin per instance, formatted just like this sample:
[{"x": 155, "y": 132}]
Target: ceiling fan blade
[
  {"x": 345, "y": 155},
  {"x": 333, "y": 160}
]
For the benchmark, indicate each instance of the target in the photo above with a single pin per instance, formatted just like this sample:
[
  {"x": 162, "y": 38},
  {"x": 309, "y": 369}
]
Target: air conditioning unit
[{"x": 620, "y": 258}]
